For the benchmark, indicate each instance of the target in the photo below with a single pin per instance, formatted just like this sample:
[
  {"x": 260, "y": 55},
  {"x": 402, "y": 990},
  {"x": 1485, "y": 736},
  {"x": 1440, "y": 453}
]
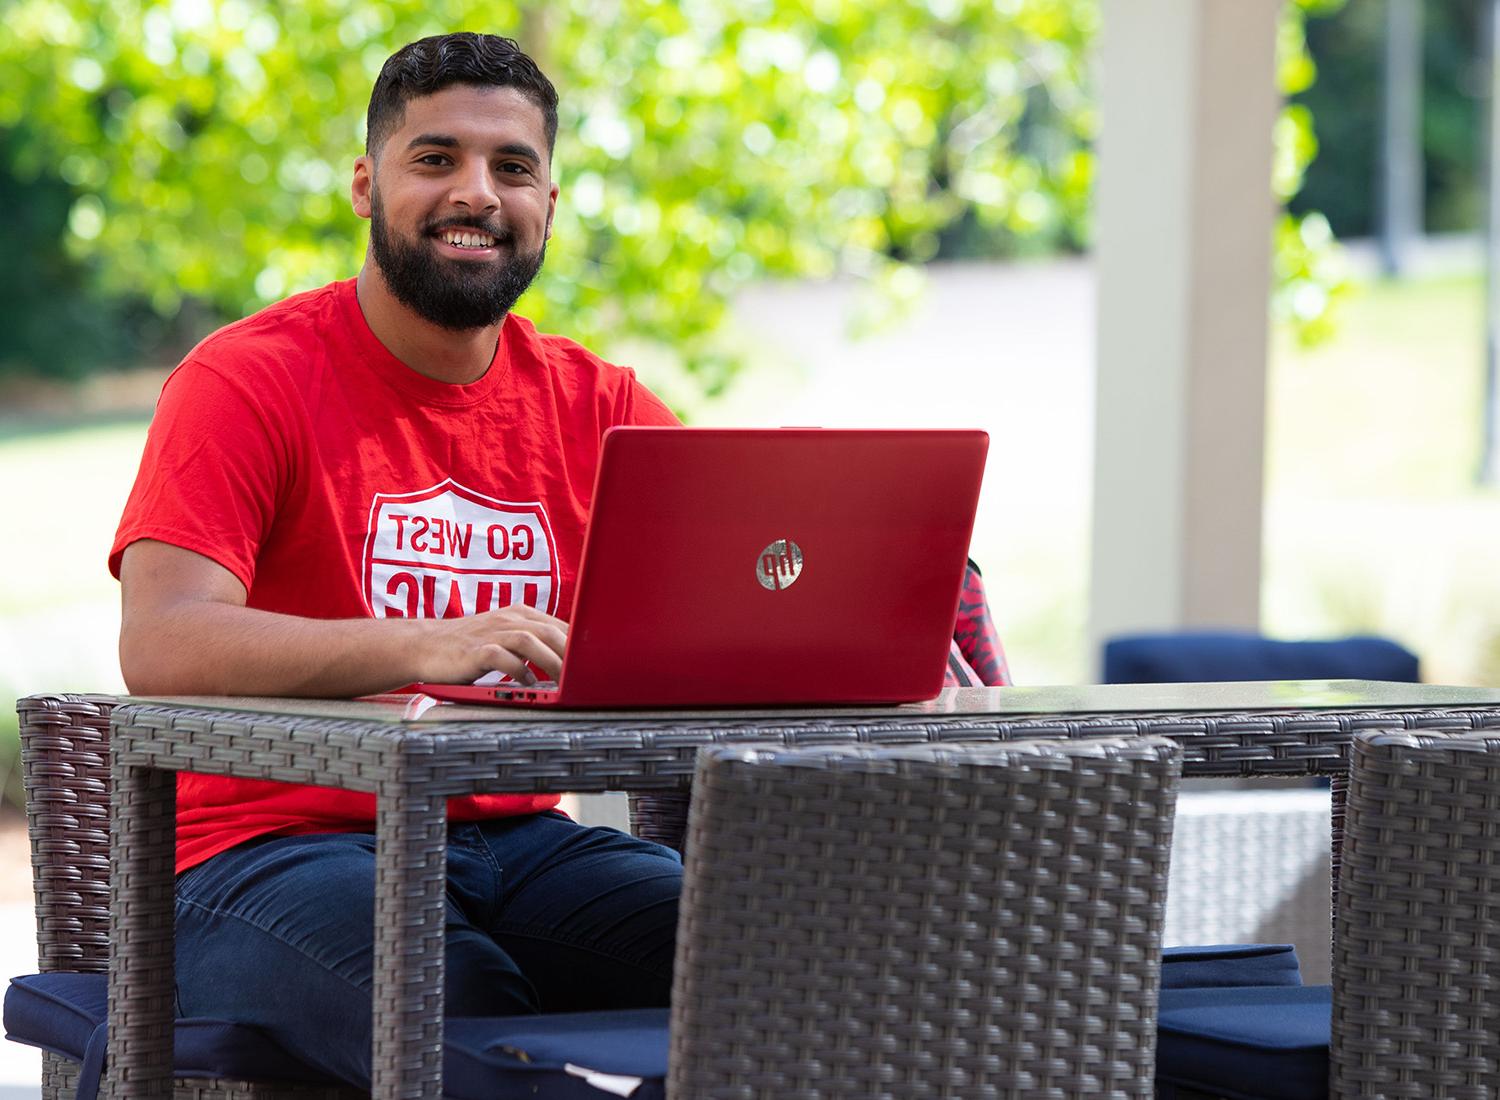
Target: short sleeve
[
  {"x": 211, "y": 474},
  {"x": 645, "y": 408}
]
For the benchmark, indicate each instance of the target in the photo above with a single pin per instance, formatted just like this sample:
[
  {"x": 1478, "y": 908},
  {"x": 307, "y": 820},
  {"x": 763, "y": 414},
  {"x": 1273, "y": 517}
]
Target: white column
[
  {"x": 1489, "y": 457},
  {"x": 1400, "y": 168},
  {"x": 1183, "y": 249}
]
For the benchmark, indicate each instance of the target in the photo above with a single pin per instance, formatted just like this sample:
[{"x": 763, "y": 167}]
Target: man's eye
[
  {"x": 434, "y": 159},
  {"x": 514, "y": 168}
]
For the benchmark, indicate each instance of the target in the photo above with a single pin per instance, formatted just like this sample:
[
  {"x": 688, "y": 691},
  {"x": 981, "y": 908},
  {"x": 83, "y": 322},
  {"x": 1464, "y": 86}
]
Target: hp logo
[{"x": 780, "y": 564}]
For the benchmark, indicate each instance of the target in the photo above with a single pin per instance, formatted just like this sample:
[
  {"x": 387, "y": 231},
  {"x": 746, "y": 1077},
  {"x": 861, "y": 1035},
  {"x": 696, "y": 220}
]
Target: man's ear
[
  {"x": 363, "y": 185},
  {"x": 551, "y": 210}
]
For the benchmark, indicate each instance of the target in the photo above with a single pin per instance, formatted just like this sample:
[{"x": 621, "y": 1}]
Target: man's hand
[
  {"x": 185, "y": 630},
  {"x": 459, "y": 651}
]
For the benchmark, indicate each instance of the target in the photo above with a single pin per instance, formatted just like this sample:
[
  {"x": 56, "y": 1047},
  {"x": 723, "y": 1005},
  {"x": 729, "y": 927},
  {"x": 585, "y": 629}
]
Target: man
[{"x": 382, "y": 481}]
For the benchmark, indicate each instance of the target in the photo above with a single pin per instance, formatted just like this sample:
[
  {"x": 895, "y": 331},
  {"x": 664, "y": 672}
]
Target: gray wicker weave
[
  {"x": 1416, "y": 994},
  {"x": 413, "y": 761},
  {"x": 924, "y": 921},
  {"x": 65, "y": 767},
  {"x": 60, "y": 1080}
]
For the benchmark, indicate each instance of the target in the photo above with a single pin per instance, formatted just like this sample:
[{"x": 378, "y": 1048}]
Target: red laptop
[{"x": 756, "y": 567}]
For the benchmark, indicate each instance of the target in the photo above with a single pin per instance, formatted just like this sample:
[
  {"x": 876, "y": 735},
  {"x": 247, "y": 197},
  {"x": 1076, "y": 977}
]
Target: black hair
[{"x": 429, "y": 65}]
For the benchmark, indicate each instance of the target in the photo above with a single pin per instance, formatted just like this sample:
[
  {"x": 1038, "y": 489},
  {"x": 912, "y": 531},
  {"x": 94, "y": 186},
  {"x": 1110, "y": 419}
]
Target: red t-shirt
[{"x": 335, "y": 482}]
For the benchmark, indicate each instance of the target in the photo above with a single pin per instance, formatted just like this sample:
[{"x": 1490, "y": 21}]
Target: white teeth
[{"x": 468, "y": 240}]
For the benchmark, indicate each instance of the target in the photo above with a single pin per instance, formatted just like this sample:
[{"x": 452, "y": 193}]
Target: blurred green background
[
  {"x": 174, "y": 164},
  {"x": 169, "y": 166}
]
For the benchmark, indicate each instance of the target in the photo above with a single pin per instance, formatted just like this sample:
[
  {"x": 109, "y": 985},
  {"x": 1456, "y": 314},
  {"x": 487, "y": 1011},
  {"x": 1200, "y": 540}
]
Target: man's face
[{"x": 460, "y": 202}]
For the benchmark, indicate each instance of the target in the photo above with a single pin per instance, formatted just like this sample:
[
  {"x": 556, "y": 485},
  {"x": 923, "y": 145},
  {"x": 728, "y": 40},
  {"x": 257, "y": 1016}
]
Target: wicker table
[{"x": 414, "y": 757}]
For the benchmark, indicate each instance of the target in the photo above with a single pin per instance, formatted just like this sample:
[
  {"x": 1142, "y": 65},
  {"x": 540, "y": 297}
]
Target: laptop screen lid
[{"x": 765, "y": 566}]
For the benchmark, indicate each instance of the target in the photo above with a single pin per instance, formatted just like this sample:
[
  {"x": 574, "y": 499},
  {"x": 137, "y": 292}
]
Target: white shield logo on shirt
[{"x": 447, "y": 551}]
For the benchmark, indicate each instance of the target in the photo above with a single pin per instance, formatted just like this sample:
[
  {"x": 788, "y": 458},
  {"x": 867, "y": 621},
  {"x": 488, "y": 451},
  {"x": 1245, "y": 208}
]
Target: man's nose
[{"x": 474, "y": 188}]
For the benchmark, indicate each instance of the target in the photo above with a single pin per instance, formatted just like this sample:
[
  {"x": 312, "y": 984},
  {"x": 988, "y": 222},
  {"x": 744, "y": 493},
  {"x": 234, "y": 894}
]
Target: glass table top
[{"x": 952, "y": 702}]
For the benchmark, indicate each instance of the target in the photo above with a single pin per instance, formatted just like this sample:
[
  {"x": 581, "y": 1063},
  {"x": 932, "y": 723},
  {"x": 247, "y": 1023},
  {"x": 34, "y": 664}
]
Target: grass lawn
[
  {"x": 59, "y": 607},
  {"x": 1390, "y": 407},
  {"x": 1374, "y": 520},
  {"x": 69, "y": 484}
]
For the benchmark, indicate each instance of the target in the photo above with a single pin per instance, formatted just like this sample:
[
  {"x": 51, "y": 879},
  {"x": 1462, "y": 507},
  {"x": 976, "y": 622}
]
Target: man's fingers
[
  {"x": 554, "y": 638},
  {"x": 505, "y": 640},
  {"x": 530, "y": 614},
  {"x": 545, "y": 654},
  {"x": 530, "y": 647},
  {"x": 497, "y": 658}
]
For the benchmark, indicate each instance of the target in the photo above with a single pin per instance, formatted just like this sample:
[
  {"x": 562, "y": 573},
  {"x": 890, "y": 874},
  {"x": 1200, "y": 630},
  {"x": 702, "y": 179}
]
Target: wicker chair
[
  {"x": 1416, "y": 992},
  {"x": 65, "y": 767},
  {"x": 987, "y": 921},
  {"x": 1416, "y": 959},
  {"x": 858, "y": 922}
]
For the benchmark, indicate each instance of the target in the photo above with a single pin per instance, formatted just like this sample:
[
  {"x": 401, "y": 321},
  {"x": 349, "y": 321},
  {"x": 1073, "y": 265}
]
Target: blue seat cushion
[
  {"x": 572, "y": 1056},
  {"x": 60, "y": 1012},
  {"x": 1230, "y": 964},
  {"x": 1218, "y": 656},
  {"x": 1204, "y": 1014},
  {"x": 1246, "y": 1042},
  {"x": 575, "y": 1056}
]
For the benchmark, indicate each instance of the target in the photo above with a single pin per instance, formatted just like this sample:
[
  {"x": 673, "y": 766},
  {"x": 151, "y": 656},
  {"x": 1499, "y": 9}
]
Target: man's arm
[{"x": 186, "y": 631}]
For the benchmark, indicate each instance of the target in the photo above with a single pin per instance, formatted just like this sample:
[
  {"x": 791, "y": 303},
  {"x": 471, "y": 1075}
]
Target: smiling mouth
[{"x": 467, "y": 240}]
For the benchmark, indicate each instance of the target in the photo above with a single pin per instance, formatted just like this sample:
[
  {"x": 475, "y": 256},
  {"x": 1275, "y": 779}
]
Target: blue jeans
[{"x": 542, "y": 915}]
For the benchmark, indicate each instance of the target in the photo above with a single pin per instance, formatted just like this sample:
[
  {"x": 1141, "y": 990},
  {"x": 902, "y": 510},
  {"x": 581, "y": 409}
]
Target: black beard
[{"x": 451, "y": 293}]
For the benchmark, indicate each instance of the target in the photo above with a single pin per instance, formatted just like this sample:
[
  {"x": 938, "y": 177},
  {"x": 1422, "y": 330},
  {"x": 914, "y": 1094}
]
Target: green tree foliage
[
  {"x": 1346, "y": 100},
  {"x": 1308, "y": 275},
  {"x": 45, "y": 294},
  {"x": 704, "y": 143}
]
